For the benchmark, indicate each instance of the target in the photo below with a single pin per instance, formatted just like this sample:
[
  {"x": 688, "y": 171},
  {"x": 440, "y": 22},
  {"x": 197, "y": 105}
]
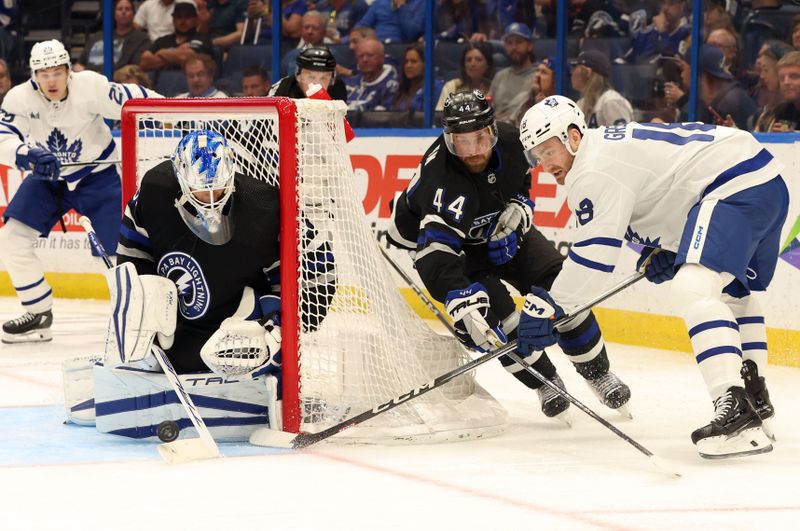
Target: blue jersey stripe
[
  {"x": 135, "y": 236},
  {"x": 29, "y": 286},
  {"x": 585, "y": 262},
  {"x": 716, "y": 351},
  {"x": 756, "y": 319},
  {"x": 708, "y": 325},
  {"x": 755, "y": 345},
  {"x": 37, "y": 299},
  {"x": 611, "y": 242},
  {"x": 761, "y": 159}
]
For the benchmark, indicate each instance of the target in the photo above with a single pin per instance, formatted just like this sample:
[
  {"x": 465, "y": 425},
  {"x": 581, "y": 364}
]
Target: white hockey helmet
[
  {"x": 551, "y": 117},
  {"x": 205, "y": 167},
  {"x": 47, "y": 54}
]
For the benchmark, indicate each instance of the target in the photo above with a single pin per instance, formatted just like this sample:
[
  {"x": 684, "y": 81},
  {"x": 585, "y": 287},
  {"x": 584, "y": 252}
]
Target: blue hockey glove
[
  {"x": 512, "y": 224},
  {"x": 476, "y": 325},
  {"x": 41, "y": 162},
  {"x": 659, "y": 264},
  {"x": 536, "y": 324}
]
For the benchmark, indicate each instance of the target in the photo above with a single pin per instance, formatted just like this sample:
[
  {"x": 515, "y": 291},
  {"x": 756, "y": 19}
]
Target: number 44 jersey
[{"x": 638, "y": 182}]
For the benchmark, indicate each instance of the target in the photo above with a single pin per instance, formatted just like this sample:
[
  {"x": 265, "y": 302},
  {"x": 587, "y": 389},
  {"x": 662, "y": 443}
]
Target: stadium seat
[
  {"x": 240, "y": 57},
  {"x": 385, "y": 119},
  {"x": 396, "y": 51},
  {"x": 543, "y": 48},
  {"x": 169, "y": 83},
  {"x": 447, "y": 56}
]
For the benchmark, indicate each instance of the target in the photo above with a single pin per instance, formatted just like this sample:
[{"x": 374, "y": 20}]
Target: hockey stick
[
  {"x": 182, "y": 450},
  {"x": 658, "y": 462},
  {"x": 282, "y": 439},
  {"x": 89, "y": 163}
]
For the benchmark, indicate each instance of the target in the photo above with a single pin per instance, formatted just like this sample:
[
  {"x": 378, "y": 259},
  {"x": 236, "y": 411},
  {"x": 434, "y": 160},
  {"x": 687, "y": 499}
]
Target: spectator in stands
[
  {"x": 353, "y": 39},
  {"x": 218, "y": 19},
  {"x": 170, "y": 52},
  {"x": 665, "y": 36},
  {"x": 374, "y": 87},
  {"x": 155, "y": 17},
  {"x": 796, "y": 33},
  {"x": 395, "y": 20},
  {"x": 600, "y": 103},
  {"x": 477, "y": 70},
  {"x": 133, "y": 74},
  {"x": 8, "y": 23},
  {"x": 313, "y": 65},
  {"x": 787, "y": 114},
  {"x": 293, "y": 11},
  {"x": 129, "y": 42},
  {"x": 5, "y": 79},
  {"x": 543, "y": 85},
  {"x": 727, "y": 41},
  {"x": 724, "y": 101},
  {"x": 512, "y": 80},
  {"x": 199, "y": 70},
  {"x": 313, "y": 34},
  {"x": 341, "y": 16},
  {"x": 255, "y": 82},
  {"x": 768, "y": 94},
  {"x": 715, "y": 17},
  {"x": 410, "y": 87},
  {"x": 255, "y": 27},
  {"x": 460, "y": 19}
]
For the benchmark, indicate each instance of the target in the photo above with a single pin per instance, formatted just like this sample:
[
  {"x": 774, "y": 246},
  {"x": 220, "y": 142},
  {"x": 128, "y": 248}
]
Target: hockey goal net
[{"x": 350, "y": 340}]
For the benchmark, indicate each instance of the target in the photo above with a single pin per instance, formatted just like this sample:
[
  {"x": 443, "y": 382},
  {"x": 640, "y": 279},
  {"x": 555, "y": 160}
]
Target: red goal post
[{"x": 360, "y": 346}]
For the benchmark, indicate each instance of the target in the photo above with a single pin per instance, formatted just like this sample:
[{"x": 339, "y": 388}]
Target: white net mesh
[{"x": 360, "y": 343}]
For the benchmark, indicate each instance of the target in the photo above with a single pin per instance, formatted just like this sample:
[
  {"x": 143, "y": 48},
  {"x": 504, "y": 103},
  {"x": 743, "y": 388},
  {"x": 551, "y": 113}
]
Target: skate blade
[
  {"x": 36, "y": 336},
  {"x": 751, "y": 441},
  {"x": 565, "y": 417},
  {"x": 769, "y": 431}
]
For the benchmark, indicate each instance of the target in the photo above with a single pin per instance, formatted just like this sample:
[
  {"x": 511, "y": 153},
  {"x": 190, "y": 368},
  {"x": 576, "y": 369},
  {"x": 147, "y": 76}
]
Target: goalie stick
[
  {"x": 281, "y": 439},
  {"x": 182, "y": 450},
  {"x": 657, "y": 461}
]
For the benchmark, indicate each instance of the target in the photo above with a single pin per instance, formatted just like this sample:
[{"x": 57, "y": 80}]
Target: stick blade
[
  {"x": 186, "y": 450},
  {"x": 273, "y": 438},
  {"x": 665, "y": 466}
]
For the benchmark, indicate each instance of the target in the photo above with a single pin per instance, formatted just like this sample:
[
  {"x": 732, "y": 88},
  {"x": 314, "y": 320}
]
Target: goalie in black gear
[{"x": 466, "y": 216}]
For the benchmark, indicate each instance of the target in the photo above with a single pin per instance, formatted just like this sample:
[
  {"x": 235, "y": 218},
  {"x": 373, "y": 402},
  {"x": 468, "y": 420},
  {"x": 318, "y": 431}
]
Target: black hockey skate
[
  {"x": 734, "y": 431},
  {"x": 29, "y": 328},
  {"x": 553, "y": 404},
  {"x": 612, "y": 392},
  {"x": 756, "y": 388}
]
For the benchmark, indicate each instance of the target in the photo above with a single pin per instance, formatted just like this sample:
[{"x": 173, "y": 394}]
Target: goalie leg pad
[
  {"x": 142, "y": 307},
  {"x": 132, "y": 403},
  {"x": 78, "y": 376}
]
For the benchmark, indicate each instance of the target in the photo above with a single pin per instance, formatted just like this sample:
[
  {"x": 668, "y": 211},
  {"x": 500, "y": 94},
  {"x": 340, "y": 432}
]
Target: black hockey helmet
[
  {"x": 317, "y": 58},
  {"x": 466, "y": 111}
]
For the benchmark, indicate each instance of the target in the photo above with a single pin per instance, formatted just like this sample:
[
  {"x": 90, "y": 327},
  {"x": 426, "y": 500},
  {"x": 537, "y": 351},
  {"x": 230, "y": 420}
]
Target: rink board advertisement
[{"x": 384, "y": 162}]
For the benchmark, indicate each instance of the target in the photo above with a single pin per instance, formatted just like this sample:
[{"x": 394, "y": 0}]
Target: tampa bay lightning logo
[
  {"x": 58, "y": 144},
  {"x": 632, "y": 236},
  {"x": 193, "y": 293}
]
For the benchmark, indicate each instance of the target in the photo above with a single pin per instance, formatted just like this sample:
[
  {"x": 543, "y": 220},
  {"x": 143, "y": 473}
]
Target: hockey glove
[
  {"x": 659, "y": 264},
  {"x": 537, "y": 322},
  {"x": 241, "y": 347},
  {"x": 511, "y": 225},
  {"x": 41, "y": 162},
  {"x": 476, "y": 325}
]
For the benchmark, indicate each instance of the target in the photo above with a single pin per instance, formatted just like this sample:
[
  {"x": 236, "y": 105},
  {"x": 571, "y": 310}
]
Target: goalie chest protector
[{"x": 210, "y": 278}]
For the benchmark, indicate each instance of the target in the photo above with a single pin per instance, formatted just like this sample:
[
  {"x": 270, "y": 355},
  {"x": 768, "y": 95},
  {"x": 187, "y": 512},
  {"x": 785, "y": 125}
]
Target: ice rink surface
[{"x": 538, "y": 475}]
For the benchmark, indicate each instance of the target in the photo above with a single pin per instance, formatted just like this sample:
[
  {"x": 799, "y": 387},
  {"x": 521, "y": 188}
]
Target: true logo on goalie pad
[{"x": 188, "y": 276}]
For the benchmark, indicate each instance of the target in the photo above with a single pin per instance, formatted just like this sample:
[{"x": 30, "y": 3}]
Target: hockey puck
[{"x": 168, "y": 431}]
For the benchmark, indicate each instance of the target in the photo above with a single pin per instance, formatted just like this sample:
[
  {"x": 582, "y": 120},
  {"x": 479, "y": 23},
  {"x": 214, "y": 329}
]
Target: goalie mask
[
  {"x": 551, "y": 117},
  {"x": 204, "y": 167}
]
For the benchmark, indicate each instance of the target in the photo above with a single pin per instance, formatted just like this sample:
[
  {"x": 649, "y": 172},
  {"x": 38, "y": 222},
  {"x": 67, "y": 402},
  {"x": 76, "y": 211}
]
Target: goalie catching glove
[
  {"x": 537, "y": 323},
  {"x": 476, "y": 325},
  {"x": 512, "y": 223}
]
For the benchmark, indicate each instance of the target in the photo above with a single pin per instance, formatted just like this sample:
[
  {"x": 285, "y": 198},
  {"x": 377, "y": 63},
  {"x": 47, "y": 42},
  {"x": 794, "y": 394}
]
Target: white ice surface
[{"x": 538, "y": 475}]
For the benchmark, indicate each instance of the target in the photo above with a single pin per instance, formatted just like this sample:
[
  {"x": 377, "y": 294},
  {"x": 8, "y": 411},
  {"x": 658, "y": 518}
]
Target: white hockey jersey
[
  {"x": 73, "y": 128},
  {"x": 637, "y": 182}
]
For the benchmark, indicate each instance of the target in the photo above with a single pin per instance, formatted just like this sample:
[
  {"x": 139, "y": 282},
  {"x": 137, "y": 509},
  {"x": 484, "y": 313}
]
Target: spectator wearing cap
[
  {"x": 724, "y": 101},
  {"x": 395, "y": 21},
  {"x": 787, "y": 114},
  {"x": 767, "y": 94},
  {"x": 199, "y": 70},
  {"x": 155, "y": 17},
  {"x": 600, "y": 103},
  {"x": 665, "y": 36},
  {"x": 512, "y": 80},
  {"x": 477, "y": 69},
  {"x": 315, "y": 64},
  {"x": 170, "y": 52},
  {"x": 543, "y": 85}
]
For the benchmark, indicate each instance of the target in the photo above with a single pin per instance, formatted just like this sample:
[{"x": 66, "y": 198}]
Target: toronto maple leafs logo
[
  {"x": 58, "y": 144},
  {"x": 551, "y": 102},
  {"x": 632, "y": 236}
]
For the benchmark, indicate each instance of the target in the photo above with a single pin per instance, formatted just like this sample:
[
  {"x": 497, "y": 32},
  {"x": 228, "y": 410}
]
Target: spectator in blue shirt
[
  {"x": 664, "y": 36},
  {"x": 395, "y": 20},
  {"x": 374, "y": 87}
]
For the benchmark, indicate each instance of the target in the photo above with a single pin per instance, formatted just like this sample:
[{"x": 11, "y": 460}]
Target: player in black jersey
[
  {"x": 467, "y": 218},
  {"x": 214, "y": 233},
  {"x": 314, "y": 65}
]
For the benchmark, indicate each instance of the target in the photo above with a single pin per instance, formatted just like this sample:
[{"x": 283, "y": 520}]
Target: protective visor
[
  {"x": 472, "y": 143},
  {"x": 543, "y": 153}
]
